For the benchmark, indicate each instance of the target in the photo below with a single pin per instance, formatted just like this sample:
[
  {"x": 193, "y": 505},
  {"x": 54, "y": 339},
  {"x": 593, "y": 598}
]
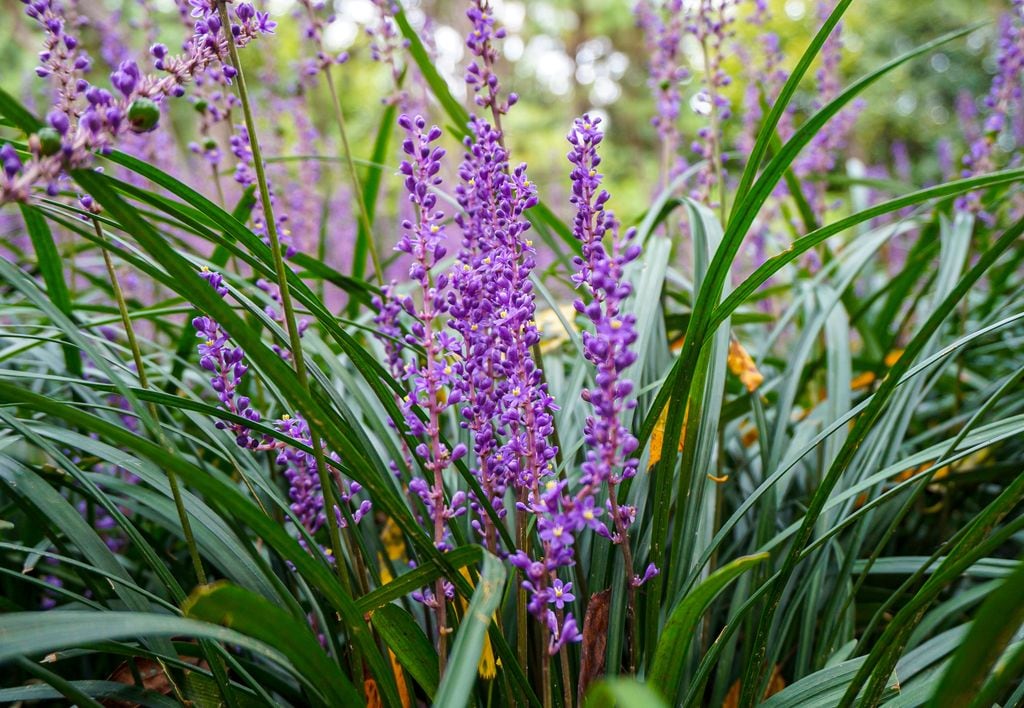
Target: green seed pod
[
  {"x": 143, "y": 115},
  {"x": 49, "y": 141},
  {"x": 200, "y": 106},
  {"x": 209, "y": 144}
]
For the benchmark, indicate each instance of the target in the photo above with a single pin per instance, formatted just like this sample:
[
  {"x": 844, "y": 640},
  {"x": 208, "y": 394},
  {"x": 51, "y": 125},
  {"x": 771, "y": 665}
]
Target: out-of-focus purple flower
[
  {"x": 386, "y": 45},
  {"x": 764, "y": 76},
  {"x": 820, "y": 157},
  {"x": 711, "y": 25},
  {"x": 662, "y": 27},
  {"x": 1004, "y": 99},
  {"x": 245, "y": 175},
  {"x": 275, "y": 313},
  {"x": 314, "y": 32},
  {"x": 480, "y": 74}
]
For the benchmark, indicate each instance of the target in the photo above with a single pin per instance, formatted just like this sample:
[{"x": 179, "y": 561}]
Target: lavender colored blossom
[
  {"x": 275, "y": 313},
  {"x": 300, "y": 467},
  {"x": 304, "y": 491},
  {"x": 314, "y": 32},
  {"x": 245, "y": 176},
  {"x": 423, "y": 238},
  {"x": 821, "y": 155},
  {"x": 764, "y": 77},
  {"x": 386, "y": 45},
  {"x": 224, "y": 361},
  {"x": 610, "y": 445},
  {"x": 508, "y": 409},
  {"x": 711, "y": 25}
]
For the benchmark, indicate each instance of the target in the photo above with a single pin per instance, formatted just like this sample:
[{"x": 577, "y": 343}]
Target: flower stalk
[
  {"x": 140, "y": 369},
  {"x": 281, "y": 273}
]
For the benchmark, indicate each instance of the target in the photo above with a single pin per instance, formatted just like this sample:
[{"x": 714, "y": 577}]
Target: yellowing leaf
[
  {"x": 892, "y": 357},
  {"x": 866, "y": 378},
  {"x": 403, "y": 689},
  {"x": 372, "y": 694},
  {"x": 486, "y": 668},
  {"x": 862, "y": 380},
  {"x": 552, "y": 331},
  {"x": 385, "y": 572},
  {"x": 393, "y": 540},
  {"x": 658, "y": 435},
  {"x": 748, "y": 434},
  {"x": 742, "y": 365}
]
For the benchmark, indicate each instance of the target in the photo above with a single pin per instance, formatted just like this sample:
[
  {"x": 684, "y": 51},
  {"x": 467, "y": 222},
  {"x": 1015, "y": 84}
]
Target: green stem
[
  {"x": 133, "y": 344},
  {"x": 357, "y": 188},
  {"x": 326, "y": 485}
]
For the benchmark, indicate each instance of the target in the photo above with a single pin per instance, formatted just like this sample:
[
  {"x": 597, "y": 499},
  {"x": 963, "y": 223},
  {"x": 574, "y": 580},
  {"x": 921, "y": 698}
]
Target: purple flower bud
[{"x": 11, "y": 161}]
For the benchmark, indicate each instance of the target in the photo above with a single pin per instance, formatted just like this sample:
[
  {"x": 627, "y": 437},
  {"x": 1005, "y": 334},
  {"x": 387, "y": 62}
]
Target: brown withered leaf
[
  {"x": 154, "y": 678},
  {"x": 595, "y": 641},
  {"x": 775, "y": 684}
]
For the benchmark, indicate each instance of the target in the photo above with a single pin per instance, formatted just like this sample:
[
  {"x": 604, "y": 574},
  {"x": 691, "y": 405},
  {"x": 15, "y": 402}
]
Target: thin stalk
[
  {"x": 563, "y": 656},
  {"x": 715, "y": 138},
  {"x": 545, "y": 668},
  {"x": 140, "y": 370},
  {"x": 216, "y": 661},
  {"x": 627, "y": 560},
  {"x": 522, "y": 645},
  {"x": 364, "y": 216},
  {"x": 357, "y": 188},
  {"x": 326, "y": 486}
]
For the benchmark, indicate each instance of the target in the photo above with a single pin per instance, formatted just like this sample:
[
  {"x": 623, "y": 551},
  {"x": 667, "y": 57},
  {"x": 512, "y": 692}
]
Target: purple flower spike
[
  {"x": 1004, "y": 99},
  {"x": 662, "y": 27},
  {"x": 480, "y": 74},
  {"x": 423, "y": 238},
  {"x": 506, "y": 406},
  {"x": 610, "y": 445}
]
